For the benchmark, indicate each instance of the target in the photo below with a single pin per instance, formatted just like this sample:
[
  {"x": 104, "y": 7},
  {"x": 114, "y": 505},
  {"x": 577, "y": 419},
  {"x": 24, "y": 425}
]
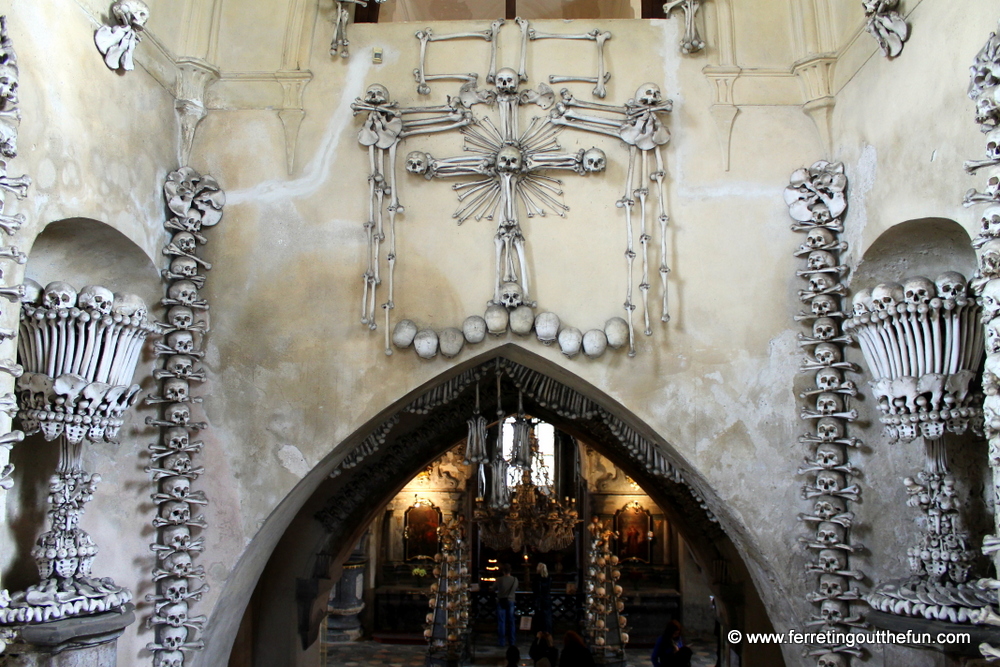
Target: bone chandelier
[{"x": 504, "y": 176}]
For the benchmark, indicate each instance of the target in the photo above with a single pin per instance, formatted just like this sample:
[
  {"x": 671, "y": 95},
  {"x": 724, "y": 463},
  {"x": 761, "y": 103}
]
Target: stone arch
[
  {"x": 299, "y": 567},
  {"x": 924, "y": 246}
]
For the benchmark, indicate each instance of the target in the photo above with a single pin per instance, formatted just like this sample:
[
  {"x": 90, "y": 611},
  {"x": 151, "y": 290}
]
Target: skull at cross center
[
  {"x": 509, "y": 160},
  {"x": 511, "y": 295}
]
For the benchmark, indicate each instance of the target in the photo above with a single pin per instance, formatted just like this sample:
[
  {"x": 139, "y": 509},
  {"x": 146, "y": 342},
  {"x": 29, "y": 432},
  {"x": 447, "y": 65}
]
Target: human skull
[
  {"x": 474, "y": 329},
  {"x": 95, "y": 298},
  {"x": 822, "y": 305},
  {"x": 509, "y": 160},
  {"x": 175, "y": 614},
  {"x": 184, "y": 292},
  {"x": 820, "y": 259},
  {"x": 522, "y": 319},
  {"x": 829, "y": 454},
  {"x": 833, "y": 611},
  {"x": 511, "y": 295},
  {"x": 616, "y": 330},
  {"x": 828, "y": 379},
  {"x": 819, "y": 237},
  {"x": 179, "y": 463},
  {"x": 176, "y": 487},
  {"x": 179, "y": 564},
  {"x": 181, "y": 341},
  {"x": 176, "y": 390},
  {"x": 918, "y": 290},
  {"x": 546, "y": 327},
  {"x": 991, "y": 222},
  {"x": 862, "y": 302},
  {"x": 403, "y": 333},
  {"x": 32, "y": 292},
  {"x": 829, "y": 533},
  {"x": 176, "y": 512},
  {"x": 168, "y": 658},
  {"x": 177, "y": 413},
  {"x": 829, "y": 481},
  {"x": 886, "y": 295},
  {"x": 827, "y": 354},
  {"x": 376, "y": 94},
  {"x": 184, "y": 266},
  {"x": 990, "y": 299},
  {"x": 180, "y": 365},
  {"x": 59, "y": 295},
  {"x": 824, "y": 328},
  {"x": 832, "y": 560},
  {"x": 827, "y": 508},
  {"x": 172, "y": 638},
  {"x": 416, "y": 162},
  {"x": 831, "y": 585},
  {"x": 594, "y": 160},
  {"x": 831, "y": 660},
  {"x": 496, "y": 318},
  {"x": 180, "y": 317},
  {"x": 821, "y": 282},
  {"x": 129, "y": 305},
  {"x": 951, "y": 285},
  {"x": 425, "y": 342},
  {"x": 570, "y": 341},
  {"x": 989, "y": 258},
  {"x": 132, "y": 13},
  {"x": 174, "y": 589},
  {"x": 595, "y": 342},
  {"x": 8, "y": 85},
  {"x": 506, "y": 80},
  {"x": 8, "y": 140},
  {"x": 185, "y": 241},
  {"x": 176, "y": 537},
  {"x": 451, "y": 341},
  {"x": 648, "y": 95},
  {"x": 829, "y": 429}
]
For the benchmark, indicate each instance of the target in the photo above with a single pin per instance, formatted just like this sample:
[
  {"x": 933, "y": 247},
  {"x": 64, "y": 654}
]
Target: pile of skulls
[
  {"x": 79, "y": 351},
  {"x": 512, "y": 314},
  {"x": 194, "y": 202},
  {"x": 817, "y": 201},
  {"x": 447, "y": 629},
  {"x": 922, "y": 342},
  {"x": 604, "y": 623}
]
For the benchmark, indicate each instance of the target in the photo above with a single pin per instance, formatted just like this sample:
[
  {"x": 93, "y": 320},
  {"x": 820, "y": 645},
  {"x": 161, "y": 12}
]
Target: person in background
[
  {"x": 575, "y": 652},
  {"x": 543, "y": 650},
  {"x": 513, "y": 656},
  {"x": 506, "y": 594},
  {"x": 543, "y": 599},
  {"x": 670, "y": 650}
]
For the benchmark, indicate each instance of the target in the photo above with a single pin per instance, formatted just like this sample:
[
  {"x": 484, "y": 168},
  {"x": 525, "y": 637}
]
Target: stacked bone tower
[
  {"x": 447, "y": 629},
  {"x": 604, "y": 623},
  {"x": 194, "y": 202},
  {"x": 816, "y": 199}
]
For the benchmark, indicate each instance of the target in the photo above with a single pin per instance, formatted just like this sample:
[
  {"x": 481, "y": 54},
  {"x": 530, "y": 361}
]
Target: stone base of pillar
[{"x": 88, "y": 641}]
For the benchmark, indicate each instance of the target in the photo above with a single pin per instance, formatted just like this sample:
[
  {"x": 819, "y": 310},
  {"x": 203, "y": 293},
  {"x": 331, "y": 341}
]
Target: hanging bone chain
[
  {"x": 816, "y": 199},
  {"x": 194, "y": 203}
]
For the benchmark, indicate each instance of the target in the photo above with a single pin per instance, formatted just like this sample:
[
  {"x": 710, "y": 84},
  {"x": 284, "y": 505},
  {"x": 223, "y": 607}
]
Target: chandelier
[{"x": 531, "y": 515}]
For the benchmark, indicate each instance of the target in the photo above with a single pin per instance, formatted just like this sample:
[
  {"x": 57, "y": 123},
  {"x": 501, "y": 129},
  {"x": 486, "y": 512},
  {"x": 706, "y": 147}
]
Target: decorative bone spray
[
  {"x": 983, "y": 86},
  {"x": 921, "y": 343},
  {"x": 117, "y": 42},
  {"x": 504, "y": 173},
  {"x": 194, "y": 202},
  {"x": 691, "y": 42},
  {"x": 604, "y": 623},
  {"x": 816, "y": 199},
  {"x": 447, "y": 630},
  {"x": 886, "y": 25},
  {"x": 79, "y": 351}
]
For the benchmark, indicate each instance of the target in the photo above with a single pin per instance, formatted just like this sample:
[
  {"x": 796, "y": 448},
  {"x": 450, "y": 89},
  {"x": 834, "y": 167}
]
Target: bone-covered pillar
[
  {"x": 920, "y": 342},
  {"x": 816, "y": 199},
  {"x": 194, "y": 203},
  {"x": 448, "y": 623}
]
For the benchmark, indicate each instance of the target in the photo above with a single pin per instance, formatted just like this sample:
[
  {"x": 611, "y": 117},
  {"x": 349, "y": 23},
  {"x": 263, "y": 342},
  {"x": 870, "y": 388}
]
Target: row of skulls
[
  {"x": 922, "y": 342},
  {"x": 816, "y": 197},
  {"x": 194, "y": 202},
  {"x": 984, "y": 90}
]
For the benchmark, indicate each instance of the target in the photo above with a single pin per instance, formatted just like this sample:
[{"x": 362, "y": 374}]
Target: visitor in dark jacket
[
  {"x": 543, "y": 650},
  {"x": 670, "y": 650}
]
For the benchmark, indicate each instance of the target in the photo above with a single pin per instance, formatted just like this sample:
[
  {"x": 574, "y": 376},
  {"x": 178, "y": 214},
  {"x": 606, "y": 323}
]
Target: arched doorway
[{"x": 282, "y": 621}]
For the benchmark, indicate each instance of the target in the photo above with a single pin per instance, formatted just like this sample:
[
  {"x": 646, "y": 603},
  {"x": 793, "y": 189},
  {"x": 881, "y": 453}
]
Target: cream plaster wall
[{"x": 294, "y": 377}]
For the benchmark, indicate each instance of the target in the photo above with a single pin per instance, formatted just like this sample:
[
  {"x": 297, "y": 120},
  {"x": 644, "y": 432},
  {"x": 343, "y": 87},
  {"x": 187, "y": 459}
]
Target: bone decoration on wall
[
  {"x": 921, "y": 342},
  {"x": 817, "y": 201},
  {"x": 341, "y": 18},
  {"x": 691, "y": 42},
  {"x": 983, "y": 85},
  {"x": 10, "y": 256},
  {"x": 886, "y": 25},
  {"x": 194, "y": 203},
  {"x": 117, "y": 42},
  {"x": 79, "y": 350},
  {"x": 505, "y": 175}
]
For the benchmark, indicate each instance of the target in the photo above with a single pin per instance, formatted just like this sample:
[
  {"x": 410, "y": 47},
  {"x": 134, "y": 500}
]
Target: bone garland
[
  {"x": 816, "y": 199},
  {"x": 984, "y": 80},
  {"x": 691, "y": 42},
  {"x": 367, "y": 447},
  {"x": 117, "y": 43},
  {"x": 604, "y": 623},
  {"x": 194, "y": 202},
  {"x": 427, "y": 35},
  {"x": 886, "y": 25},
  {"x": 448, "y": 622},
  {"x": 342, "y": 17}
]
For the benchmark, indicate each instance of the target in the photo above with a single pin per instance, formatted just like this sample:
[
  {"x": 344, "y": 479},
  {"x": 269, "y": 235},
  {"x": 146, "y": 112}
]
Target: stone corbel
[
  {"x": 194, "y": 76},
  {"x": 293, "y": 85},
  {"x": 723, "y": 109},
  {"x": 816, "y": 74}
]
